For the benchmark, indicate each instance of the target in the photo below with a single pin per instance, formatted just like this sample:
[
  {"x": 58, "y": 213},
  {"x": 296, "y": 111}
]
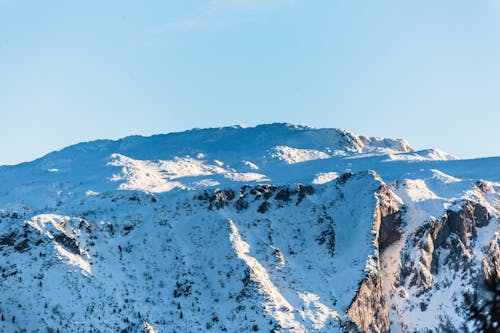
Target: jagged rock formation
[
  {"x": 369, "y": 309},
  {"x": 275, "y": 228},
  {"x": 444, "y": 258}
]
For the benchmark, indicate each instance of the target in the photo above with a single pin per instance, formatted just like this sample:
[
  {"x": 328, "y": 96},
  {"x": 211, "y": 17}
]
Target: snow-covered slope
[
  {"x": 190, "y": 160},
  {"x": 273, "y": 228}
]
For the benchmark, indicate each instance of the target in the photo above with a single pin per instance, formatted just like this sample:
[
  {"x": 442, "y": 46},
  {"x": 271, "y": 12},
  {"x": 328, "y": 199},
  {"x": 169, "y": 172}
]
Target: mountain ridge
[
  {"x": 279, "y": 228},
  {"x": 194, "y": 132}
]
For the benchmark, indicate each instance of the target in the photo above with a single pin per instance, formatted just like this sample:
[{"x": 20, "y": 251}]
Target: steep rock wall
[{"x": 368, "y": 309}]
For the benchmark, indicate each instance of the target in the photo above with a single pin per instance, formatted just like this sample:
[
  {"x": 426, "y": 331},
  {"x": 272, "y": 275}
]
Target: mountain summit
[{"x": 279, "y": 227}]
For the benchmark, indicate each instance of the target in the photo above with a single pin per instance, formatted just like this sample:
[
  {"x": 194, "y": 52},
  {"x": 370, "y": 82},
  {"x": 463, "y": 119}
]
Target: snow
[
  {"x": 416, "y": 190},
  {"x": 277, "y": 306},
  {"x": 484, "y": 237},
  {"x": 90, "y": 192},
  {"x": 44, "y": 223},
  {"x": 291, "y": 155},
  {"x": 325, "y": 177},
  {"x": 424, "y": 155},
  {"x": 73, "y": 259},
  {"x": 166, "y": 175},
  {"x": 444, "y": 177},
  {"x": 122, "y": 226},
  {"x": 149, "y": 328},
  {"x": 251, "y": 165},
  {"x": 316, "y": 312},
  {"x": 206, "y": 183},
  {"x": 444, "y": 294},
  {"x": 161, "y": 163},
  {"x": 245, "y": 176},
  {"x": 176, "y": 238}
]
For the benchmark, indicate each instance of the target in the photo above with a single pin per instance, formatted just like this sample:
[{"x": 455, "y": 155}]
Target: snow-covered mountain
[{"x": 277, "y": 227}]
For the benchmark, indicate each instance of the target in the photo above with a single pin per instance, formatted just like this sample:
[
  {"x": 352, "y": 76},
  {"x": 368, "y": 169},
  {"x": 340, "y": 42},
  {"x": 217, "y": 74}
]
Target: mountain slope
[{"x": 278, "y": 227}]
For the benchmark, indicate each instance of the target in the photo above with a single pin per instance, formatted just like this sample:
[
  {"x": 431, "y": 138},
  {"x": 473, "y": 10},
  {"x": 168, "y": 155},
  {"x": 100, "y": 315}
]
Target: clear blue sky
[{"x": 426, "y": 70}]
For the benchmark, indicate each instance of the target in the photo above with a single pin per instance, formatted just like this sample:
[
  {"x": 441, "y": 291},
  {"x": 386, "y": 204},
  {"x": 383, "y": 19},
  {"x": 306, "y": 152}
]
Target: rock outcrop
[{"x": 369, "y": 308}]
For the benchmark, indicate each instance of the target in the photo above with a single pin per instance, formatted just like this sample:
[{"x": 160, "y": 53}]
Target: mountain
[{"x": 278, "y": 227}]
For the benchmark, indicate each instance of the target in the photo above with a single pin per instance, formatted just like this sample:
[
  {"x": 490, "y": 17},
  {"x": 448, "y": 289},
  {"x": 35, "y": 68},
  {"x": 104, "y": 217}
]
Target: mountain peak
[
  {"x": 277, "y": 227},
  {"x": 199, "y": 158}
]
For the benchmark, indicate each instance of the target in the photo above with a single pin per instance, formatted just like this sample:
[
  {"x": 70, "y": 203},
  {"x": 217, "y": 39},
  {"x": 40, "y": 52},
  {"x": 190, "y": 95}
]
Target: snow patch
[
  {"x": 245, "y": 176},
  {"x": 441, "y": 176},
  {"x": 73, "y": 259},
  {"x": 417, "y": 190},
  {"x": 277, "y": 306},
  {"x": 149, "y": 328},
  {"x": 40, "y": 223},
  {"x": 206, "y": 183},
  {"x": 250, "y": 165},
  {"x": 325, "y": 177},
  {"x": 295, "y": 155},
  {"x": 166, "y": 175},
  {"x": 314, "y": 311},
  {"x": 423, "y": 155},
  {"x": 90, "y": 192}
]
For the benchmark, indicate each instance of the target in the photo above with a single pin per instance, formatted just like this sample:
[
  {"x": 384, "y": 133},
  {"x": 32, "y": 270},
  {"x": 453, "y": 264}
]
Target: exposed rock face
[
  {"x": 491, "y": 261},
  {"x": 358, "y": 142},
  {"x": 463, "y": 223},
  {"x": 389, "y": 218},
  {"x": 444, "y": 258},
  {"x": 369, "y": 309},
  {"x": 453, "y": 232},
  {"x": 434, "y": 255}
]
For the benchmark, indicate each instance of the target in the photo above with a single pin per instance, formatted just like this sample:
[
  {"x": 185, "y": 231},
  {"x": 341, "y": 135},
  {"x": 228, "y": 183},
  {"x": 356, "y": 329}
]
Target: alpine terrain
[{"x": 274, "y": 228}]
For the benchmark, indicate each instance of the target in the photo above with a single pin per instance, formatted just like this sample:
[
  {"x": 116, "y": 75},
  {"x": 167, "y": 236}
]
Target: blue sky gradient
[{"x": 422, "y": 70}]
